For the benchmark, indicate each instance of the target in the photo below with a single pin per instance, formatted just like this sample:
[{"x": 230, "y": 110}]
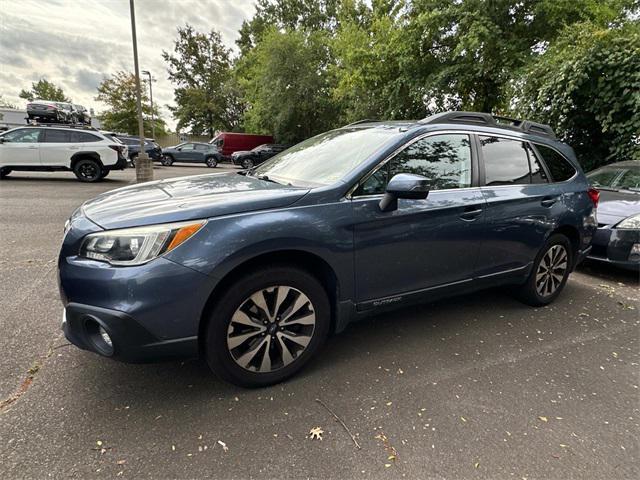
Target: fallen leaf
[
  {"x": 99, "y": 443},
  {"x": 463, "y": 419},
  {"x": 476, "y": 465},
  {"x": 223, "y": 445},
  {"x": 316, "y": 433},
  {"x": 121, "y": 462},
  {"x": 544, "y": 419}
]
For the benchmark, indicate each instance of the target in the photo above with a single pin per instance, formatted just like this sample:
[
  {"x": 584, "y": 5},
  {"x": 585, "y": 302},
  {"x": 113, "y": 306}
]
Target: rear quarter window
[
  {"x": 559, "y": 167},
  {"x": 84, "y": 137}
]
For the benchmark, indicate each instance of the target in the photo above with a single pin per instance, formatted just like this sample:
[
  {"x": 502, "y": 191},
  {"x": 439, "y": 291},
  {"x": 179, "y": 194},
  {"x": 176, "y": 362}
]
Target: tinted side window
[
  {"x": 505, "y": 161},
  {"x": 83, "y": 137},
  {"x": 187, "y": 146},
  {"x": 57, "y": 136},
  {"x": 538, "y": 175},
  {"x": 444, "y": 159},
  {"x": 558, "y": 166}
]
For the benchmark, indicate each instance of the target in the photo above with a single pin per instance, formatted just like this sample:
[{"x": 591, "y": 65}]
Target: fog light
[
  {"x": 105, "y": 336},
  {"x": 634, "y": 254}
]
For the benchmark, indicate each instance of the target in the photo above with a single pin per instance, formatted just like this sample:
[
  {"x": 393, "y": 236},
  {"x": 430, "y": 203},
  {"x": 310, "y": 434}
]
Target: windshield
[
  {"x": 325, "y": 158},
  {"x": 619, "y": 178}
]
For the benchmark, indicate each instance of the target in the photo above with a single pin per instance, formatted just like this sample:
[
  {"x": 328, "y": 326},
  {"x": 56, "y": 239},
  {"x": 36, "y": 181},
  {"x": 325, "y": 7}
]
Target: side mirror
[
  {"x": 404, "y": 185},
  {"x": 179, "y": 149}
]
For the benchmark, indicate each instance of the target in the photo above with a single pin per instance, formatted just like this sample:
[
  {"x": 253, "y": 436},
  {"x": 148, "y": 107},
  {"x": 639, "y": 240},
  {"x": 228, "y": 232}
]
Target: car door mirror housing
[{"x": 404, "y": 185}]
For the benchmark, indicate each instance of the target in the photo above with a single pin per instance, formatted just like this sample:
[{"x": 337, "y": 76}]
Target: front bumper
[
  {"x": 614, "y": 246},
  {"x": 150, "y": 311},
  {"x": 129, "y": 341}
]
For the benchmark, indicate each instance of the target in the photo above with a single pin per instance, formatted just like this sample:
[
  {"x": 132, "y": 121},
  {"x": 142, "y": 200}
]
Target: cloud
[{"x": 77, "y": 44}]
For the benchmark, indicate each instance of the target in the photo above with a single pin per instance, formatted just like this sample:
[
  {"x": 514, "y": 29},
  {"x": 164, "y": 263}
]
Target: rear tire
[
  {"x": 251, "y": 345},
  {"x": 88, "y": 170},
  {"x": 4, "y": 171},
  {"x": 549, "y": 273},
  {"x": 212, "y": 162},
  {"x": 167, "y": 160},
  {"x": 133, "y": 160}
]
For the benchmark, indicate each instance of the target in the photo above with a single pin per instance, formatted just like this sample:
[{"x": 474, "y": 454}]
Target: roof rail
[
  {"x": 364, "y": 120},
  {"x": 62, "y": 125},
  {"x": 481, "y": 118}
]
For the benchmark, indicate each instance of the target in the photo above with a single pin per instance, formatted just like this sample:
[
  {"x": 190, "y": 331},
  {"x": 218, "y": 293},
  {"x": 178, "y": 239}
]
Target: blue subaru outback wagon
[{"x": 255, "y": 269}]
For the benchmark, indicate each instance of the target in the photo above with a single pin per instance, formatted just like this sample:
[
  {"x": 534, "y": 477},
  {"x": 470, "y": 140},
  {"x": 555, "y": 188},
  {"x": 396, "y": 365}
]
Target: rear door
[
  {"x": 423, "y": 243},
  {"x": 521, "y": 205},
  {"x": 199, "y": 152},
  {"x": 57, "y": 148},
  {"x": 21, "y": 147}
]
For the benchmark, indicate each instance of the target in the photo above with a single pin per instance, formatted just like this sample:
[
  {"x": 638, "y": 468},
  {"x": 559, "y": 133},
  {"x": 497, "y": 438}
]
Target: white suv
[{"x": 84, "y": 151}]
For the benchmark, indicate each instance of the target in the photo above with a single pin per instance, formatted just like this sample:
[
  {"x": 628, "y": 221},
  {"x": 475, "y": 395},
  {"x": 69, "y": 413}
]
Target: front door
[
  {"x": 187, "y": 153},
  {"x": 21, "y": 147},
  {"x": 423, "y": 243}
]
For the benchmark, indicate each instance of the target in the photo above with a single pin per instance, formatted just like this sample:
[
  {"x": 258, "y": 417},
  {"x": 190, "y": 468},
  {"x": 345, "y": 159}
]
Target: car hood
[
  {"x": 616, "y": 206},
  {"x": 187, "y": 198}
]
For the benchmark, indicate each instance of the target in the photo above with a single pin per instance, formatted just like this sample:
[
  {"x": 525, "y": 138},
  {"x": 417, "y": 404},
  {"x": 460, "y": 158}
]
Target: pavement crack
[{"x": 31, "y": 374}]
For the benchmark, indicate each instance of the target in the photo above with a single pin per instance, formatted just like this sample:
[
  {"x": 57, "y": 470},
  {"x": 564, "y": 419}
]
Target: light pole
[
  {"x": 153, "y": 126},
  {"x": 144, "y": 169}
]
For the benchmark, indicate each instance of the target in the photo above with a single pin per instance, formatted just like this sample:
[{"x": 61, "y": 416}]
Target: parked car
[
  {"x": 617, "y": 240},
  {"x": 150, "y": 147},
  {"x": 264, "y": 264},
  {"x": 46, "y": 111},
  {"x": 84, "y": 151},
  {"x": 192, "y": 152},
  {"x": 230, "y": 142},
  {"x": 250, "y": 158}
]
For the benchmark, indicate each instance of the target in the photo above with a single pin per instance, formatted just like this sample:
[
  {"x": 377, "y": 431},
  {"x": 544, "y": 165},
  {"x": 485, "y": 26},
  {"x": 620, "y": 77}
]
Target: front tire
[
  {"x": 212, "y": 162},
  {"x": 266, "y": 326},
  {"x": 167, "y": 160},
  {"x": 549, "y": 274},
  {"x": 247, "y": 164},
  {"x": 88, "y": 170}
]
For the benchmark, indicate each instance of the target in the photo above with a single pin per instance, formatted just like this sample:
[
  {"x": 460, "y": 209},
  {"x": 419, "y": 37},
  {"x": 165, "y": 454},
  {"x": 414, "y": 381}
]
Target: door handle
[
  {"x": 548, "y": 201},
  {"x": 471, "y": 213}
]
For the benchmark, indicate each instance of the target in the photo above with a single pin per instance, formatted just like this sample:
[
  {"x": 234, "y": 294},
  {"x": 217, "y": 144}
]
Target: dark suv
[
  {"x": 133, "y": 144},
  {"x": 264, "y": 265}
]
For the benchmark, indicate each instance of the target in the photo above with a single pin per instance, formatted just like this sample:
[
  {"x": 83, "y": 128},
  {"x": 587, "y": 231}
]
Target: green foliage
[
  {"x": 44, "y": 90},
  {"x": 206, "y": 95},
  {"x": 287, "y": 85},
  {"x": 587, "y": 85},
  {"x": 119, "y": 93}
]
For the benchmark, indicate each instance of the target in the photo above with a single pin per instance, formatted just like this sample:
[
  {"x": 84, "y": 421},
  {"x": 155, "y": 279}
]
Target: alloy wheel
[
  {"x": 552, "y": 270},
  {"x": 89, "y": 171},
  {"x": 271, "y": 329}
]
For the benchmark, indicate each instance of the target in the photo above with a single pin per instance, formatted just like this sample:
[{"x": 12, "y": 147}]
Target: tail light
[
  {"x": 594, "y": 195},
  {"x": 51, "y": 108},
  {"x": 117, "y": 148}
]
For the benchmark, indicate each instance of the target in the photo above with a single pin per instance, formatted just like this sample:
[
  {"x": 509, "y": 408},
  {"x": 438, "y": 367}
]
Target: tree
[
  {"x": 119, "y": 93},
  {"x": 300, "y": 15},
  {"x": 287, "y": 85},
  {"x": 587, "y": 86},
  {"x": 206, "y": 95},
  {"x": 44, "y": 90}
]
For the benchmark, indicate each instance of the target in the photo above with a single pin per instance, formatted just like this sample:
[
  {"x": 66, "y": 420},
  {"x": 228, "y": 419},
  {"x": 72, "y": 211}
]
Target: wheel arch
[
  {"x": 76, "y": 157},
  {"x": 573, "y": 235},
  {"x": 310, "y": 262}
]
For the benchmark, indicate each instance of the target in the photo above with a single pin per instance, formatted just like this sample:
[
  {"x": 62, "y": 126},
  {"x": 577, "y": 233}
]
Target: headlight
[
  {"x": 630, "y": 223},
  {"x": 135, "y": 246}
]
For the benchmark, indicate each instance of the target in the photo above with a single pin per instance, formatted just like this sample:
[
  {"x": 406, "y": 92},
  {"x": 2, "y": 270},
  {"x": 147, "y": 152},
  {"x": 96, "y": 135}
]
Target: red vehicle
[{"x": 228, "y": 142}]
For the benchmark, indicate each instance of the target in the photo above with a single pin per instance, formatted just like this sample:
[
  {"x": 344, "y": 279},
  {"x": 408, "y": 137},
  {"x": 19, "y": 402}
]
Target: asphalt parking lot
[{"x": 478, "y": 387}]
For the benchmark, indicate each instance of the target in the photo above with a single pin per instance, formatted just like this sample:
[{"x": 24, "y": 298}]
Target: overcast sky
[{"x": 76, "y": 43}]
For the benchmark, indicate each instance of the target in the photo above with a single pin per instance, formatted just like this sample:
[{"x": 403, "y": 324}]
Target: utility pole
[
  {"x": 144, "y": 168},
  {"x": 153, "y": 122}
]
